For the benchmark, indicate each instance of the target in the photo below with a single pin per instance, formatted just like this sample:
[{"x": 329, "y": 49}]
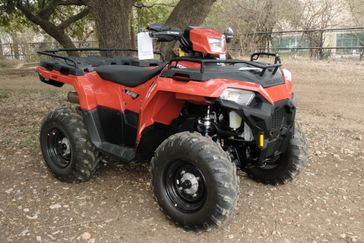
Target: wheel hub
[
  {"x": 65, "y": 147},
  {"x": 59, "y": 147},
  {"x": 185, "y": 186},
  {"x": 189, "y": 183}
]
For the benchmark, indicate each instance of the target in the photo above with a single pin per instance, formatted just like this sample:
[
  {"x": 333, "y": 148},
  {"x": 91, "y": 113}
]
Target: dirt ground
[{"x": 324, "y": 204}]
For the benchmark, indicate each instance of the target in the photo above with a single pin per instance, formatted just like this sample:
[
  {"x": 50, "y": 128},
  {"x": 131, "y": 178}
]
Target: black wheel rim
[
  {"x": 185, "y": 186},
  {"x": 253, "y": 156},
  {"x": 59, "y": 148},
  {"x": 271, "y": 163}
]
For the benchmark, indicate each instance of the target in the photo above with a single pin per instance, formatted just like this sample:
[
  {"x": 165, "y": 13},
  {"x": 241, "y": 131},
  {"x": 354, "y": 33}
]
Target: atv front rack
[
  {"x": 265, "y": 74},
  {"x": 253, "y": 62},
  {"x": 255, "y": 56}
]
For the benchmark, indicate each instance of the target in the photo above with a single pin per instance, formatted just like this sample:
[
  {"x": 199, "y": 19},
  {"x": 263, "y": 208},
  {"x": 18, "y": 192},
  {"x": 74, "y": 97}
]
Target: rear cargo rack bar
[
  {"x": 52, "y": 53},
  {"x": 73, "y": 62},
  {"x": 253, "y": 62}
]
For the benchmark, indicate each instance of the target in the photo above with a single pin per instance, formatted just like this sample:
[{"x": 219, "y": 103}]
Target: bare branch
[{"x": 74, "y": 18}]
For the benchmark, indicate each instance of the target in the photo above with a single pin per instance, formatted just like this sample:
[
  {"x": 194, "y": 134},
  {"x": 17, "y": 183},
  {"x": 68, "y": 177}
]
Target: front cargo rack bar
[{"x": 253, "y": 62}]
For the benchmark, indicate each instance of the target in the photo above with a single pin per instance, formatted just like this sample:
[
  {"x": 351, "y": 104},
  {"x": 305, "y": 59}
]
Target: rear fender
[{"x": 91, "y": 89}]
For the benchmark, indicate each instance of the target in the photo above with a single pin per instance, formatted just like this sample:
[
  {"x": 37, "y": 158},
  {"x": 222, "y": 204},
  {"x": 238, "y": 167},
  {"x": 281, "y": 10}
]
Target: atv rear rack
[
  {"x": 78, "y": 65},
  {"x": 52, "y": 53}
]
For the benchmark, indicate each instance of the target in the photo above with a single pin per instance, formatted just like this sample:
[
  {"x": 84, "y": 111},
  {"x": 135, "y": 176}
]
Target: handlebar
[{"x": 164, "y": 33}]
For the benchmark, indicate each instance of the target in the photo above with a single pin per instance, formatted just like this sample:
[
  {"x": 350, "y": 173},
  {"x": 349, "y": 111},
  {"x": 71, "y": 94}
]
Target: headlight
[
  {"x": 217, "y": 45},
  {"x": 238, "y": 96}
]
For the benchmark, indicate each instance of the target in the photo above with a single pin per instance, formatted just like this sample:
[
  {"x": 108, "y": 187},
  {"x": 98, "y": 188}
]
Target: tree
[
  {"x": 12, "y": 24},
  {"x": 246, "y": 17},
  {"x": 48, "y": 15},
  {"x": 112, "y": 22},
  {"x": 314, "y": 14},
  {"x": 186, "y": 13},
  {"x": 357, "y": 12},
  {"x": 262, "y": 16},
  {"x": 15, "y": 45},
  {"x": 149, "y": 11},
  {"x": 1, "y": 50},
  {"x": 112, "y": 18}
]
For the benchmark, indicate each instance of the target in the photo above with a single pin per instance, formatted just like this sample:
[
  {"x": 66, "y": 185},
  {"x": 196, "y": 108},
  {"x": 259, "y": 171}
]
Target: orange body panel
[
  {"x": 159, "y": 99},
  {"x": 199, "y": 38},
  {"x": 91, "y": 89}
]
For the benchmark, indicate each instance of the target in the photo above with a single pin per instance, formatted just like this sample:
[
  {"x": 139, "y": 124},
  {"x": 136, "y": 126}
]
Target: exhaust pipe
[{"x": 73, "y": 97}]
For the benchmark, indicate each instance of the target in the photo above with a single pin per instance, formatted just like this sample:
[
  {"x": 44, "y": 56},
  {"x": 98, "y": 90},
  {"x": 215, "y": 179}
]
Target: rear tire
[
  {"x": 194, "y": 182},
  {"x": 66, "y": 147},
  {"x": 288, "y": 164}
]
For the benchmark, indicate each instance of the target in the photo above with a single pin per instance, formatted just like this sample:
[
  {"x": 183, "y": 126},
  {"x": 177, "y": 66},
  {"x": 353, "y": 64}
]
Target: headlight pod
[
  {"x": 217, "y": 45},
  {"x": 238, "y": 96}
]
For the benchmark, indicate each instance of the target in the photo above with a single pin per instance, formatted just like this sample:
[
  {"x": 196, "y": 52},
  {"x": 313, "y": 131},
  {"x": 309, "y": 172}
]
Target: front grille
[{"x": 277, "y": 118}]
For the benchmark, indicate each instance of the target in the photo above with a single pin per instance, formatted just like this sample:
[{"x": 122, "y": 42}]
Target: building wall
[{"x": 342, "y": 19}]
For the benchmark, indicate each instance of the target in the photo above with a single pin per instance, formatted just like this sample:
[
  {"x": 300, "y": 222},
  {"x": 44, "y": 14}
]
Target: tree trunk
[
  {"x": 15, "y": 40},
  {"x": 112, "y": 22},
  {"x": 321, "y": 45},
  {"x": 132, "y": 31},
  {"x": 1, "y": 50},
  {"x": 186, "y": 13}
]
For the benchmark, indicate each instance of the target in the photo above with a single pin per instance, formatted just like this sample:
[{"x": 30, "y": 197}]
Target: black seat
[{"x": 130, "y": 76}]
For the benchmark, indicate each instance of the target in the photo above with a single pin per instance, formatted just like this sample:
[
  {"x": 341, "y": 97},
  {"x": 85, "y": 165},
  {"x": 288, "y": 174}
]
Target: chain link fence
[
  {"x": 322, "y": 44},
  {"x": 28, "y": 51}
]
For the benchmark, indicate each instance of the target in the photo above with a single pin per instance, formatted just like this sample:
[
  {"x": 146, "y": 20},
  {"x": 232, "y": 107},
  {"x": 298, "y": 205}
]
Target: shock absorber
[{"x": 205, "y": 124}]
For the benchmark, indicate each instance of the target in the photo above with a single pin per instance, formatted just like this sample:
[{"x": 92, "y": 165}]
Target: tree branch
[
  {"x": 74, "y": 18},
  {"x": 49, "y": 9},
  {"x": 27, "y": 13},
  {"x": 72, "y": 2},
  {"x": 142, "y": 5}
]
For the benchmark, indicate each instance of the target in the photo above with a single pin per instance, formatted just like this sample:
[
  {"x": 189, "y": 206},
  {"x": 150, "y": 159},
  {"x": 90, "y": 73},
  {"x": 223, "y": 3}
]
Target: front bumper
[{"x": 274, "y": 121}]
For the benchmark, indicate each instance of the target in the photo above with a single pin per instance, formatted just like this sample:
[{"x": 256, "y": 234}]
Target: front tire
[
  {"x": 66, "y": 147},
  {"x": 193, "y": 180},
  {"x": 288, "y": 164}
]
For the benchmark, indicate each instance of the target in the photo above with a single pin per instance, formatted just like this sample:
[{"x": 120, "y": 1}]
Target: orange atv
[{"x": 196, "y": 117}]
